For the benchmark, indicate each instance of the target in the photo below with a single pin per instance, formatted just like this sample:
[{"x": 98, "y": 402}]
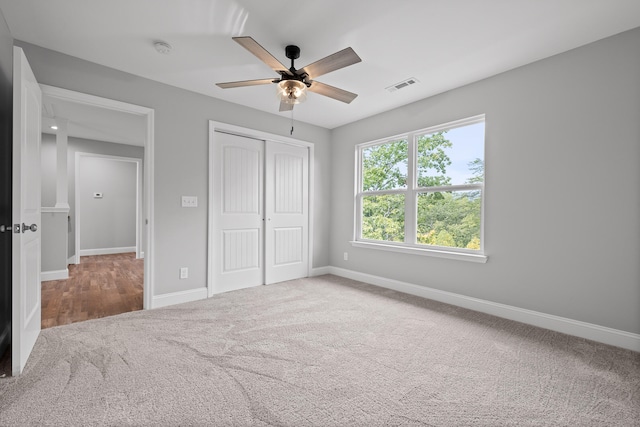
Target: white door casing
[
  {"x": 26, "y": 303},
  {"x": 237, "y": 212},
  {"x": 148, "y": 216},
  {"x": 287, "y": 212}
]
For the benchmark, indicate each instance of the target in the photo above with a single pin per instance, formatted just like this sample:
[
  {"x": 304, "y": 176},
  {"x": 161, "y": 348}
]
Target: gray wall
[
  {"x": 109, "y": 221},
  {"x": 53, "y": 236},
  {"x": 80, "y": 145},
  {"x": 180, "y": 158},
  {"x": 48, "y": 171},
  {"x": 562, "y": 226},
  {"x": 6, "y": 148}
]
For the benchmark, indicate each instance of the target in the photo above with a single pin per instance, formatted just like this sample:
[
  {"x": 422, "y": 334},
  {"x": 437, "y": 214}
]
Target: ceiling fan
[{"x": 293, "y": 83}]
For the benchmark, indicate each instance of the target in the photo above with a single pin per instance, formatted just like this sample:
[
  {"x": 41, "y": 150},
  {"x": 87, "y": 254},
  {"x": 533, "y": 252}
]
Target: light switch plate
[{"x": 189, "y": 201}]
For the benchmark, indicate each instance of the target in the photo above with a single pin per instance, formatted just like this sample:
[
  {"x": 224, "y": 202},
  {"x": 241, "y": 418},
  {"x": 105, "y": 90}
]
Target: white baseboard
[
  {"x": 141, "y": 255},
  {"x": 107, "y": 251},
  {"x": 320, "y": 271},
  {"x": 577, "y": 328},
  {"x": 46, "y": 276},
  {"x": 179, "y": 297},
  {"x": 71, "y": 260}
]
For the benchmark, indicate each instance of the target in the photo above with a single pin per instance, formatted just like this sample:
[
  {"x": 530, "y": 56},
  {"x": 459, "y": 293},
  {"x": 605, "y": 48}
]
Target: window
[{"x": 423, "y": 192}]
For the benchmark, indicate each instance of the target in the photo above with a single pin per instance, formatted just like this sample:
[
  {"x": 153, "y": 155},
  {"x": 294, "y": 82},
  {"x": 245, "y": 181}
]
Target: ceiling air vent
[{"x": 402, "y": 84}]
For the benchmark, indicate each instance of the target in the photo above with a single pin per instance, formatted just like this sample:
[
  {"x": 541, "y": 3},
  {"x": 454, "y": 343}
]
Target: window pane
[
  {"x": 383, "y": 217},
  {"x": 454, "y": 156},
  {"x": 450, "y": 219},
  {"x": 384, "y": 167}
]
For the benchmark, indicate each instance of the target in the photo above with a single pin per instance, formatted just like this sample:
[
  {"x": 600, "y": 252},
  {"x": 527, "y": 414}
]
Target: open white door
[
  {"x": 287, "y": 212},
  {"x": 237, "y": 212},
  {"x": 27, "y": 110}
]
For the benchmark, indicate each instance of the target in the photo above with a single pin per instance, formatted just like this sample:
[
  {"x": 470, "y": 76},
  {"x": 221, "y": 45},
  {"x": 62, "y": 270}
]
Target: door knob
[{"x": 32, "y": 227}]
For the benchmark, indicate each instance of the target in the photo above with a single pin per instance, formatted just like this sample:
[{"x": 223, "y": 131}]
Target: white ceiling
[{"x": 443, "y": 43}]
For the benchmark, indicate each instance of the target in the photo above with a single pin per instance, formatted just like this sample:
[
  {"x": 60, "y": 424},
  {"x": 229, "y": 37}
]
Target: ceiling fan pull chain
[{"x": 291, "y": 122}]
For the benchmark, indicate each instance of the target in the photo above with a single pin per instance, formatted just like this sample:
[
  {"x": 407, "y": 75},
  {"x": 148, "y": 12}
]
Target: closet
[{"x": 259, "y": 212}]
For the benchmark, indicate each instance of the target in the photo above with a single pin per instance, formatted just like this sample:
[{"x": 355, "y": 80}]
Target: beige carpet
[{"x": 319, "y": 352}]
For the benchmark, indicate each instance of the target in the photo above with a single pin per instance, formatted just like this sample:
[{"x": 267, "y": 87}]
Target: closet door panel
[
  {"x": 237, "y": 212},
  {"x": 287, "y": 201}
]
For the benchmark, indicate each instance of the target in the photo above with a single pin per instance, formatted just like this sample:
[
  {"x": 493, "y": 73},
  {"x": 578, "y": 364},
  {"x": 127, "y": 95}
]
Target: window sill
[{"x": 422, "y": 251}]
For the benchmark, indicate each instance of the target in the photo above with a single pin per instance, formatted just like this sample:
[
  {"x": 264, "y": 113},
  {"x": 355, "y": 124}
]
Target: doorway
[
  {"x": 108, "y": 199},
  {"x": 107, "y": 260},
  {"x": 105, "y": 275}
]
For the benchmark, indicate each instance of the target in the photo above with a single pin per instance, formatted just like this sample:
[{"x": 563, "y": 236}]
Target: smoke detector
[{"x": 162, "y": 47}]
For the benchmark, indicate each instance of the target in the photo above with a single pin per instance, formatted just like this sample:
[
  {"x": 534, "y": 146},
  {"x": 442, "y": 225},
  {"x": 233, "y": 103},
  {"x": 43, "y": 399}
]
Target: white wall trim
[
  {"x": 576, "y": 328},
  {"x": 107, "y": 251},
  {"x": 179, "y": 297},
  {"x": 71, "y": 260},
  {"x": 148, "y": 214},
  {"x": 56, "y": 209},
  {"x": 46, "y": 276},
  {"x": 421, "y": 251},
  {"x": 320, "y": 271},
  {"x": 141, "y": 255},
  {"x": 96, "y": 101}
]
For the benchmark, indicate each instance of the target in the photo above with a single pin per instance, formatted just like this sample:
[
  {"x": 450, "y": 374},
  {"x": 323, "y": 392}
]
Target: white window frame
[{"x": 411, "y": 193}]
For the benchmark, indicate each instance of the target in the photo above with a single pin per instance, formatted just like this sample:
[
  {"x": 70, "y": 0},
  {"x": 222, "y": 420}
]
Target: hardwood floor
[{"x": 100, "y": 286}]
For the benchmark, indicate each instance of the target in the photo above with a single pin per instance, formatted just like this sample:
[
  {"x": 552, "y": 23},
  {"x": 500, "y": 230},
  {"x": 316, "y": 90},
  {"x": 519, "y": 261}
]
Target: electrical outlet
[
  {"x": 346, "y": 256},
  {"x": 189, "y": 201},
  {"x": 184, "y": 273}
]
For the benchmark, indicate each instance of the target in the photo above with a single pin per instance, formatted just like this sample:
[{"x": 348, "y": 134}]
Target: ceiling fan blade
[
  {"x": 262, "y": 54},
  {"x": 229, "y": 85},
  {"x": 332, "y": 92},
  {"x": 338, "y": 60},
  {"x": 284, "y": 106}
]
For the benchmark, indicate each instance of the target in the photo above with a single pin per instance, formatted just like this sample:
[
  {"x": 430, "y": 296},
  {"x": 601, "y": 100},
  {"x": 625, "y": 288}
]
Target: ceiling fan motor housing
[{"x": 292, "y": 52}]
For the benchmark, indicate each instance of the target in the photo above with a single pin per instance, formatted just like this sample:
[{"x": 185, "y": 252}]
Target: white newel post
[{"x": 55, "y": 220}]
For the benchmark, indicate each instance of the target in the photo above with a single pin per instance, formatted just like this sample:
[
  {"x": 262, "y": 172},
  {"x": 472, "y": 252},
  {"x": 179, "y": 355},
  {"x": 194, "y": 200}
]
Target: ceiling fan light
[{"x": 292, "y": 91}]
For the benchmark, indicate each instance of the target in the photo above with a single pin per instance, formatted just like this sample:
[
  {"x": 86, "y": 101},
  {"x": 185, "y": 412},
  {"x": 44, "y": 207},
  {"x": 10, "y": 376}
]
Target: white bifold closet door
[
  {"x": 287, "y": 212},
  {"x": 260, "y": 212}
]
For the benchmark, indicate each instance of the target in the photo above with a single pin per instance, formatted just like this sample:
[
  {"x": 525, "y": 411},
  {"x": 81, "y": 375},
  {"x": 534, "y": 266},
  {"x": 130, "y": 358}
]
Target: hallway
[{"x": 100, "y": 286}]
